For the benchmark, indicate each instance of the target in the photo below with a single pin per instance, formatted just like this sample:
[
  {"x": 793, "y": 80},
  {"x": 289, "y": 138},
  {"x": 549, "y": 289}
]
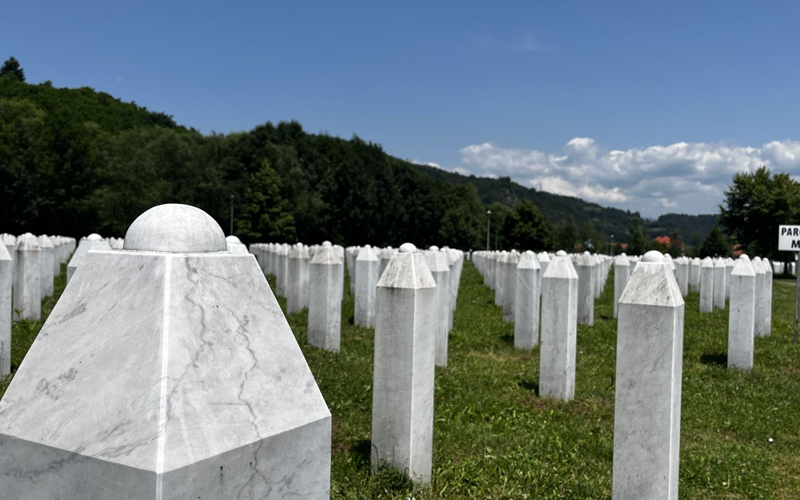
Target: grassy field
[{"x": 495, "y": 438}]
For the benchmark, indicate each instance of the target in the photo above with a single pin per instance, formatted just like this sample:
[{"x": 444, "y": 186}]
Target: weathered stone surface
[
  {"x": 403, "y": 381},
  {"x": 586, "y": 275},
  {"x": 297, "y": 280},
  {"x": 559, "y": 329},
  {"x": 741, "y": 321},
  {"x": 366, "y": 280},
  {"x": 6, "y": 281},
  {"x": 325, "y": 286},
  {"x": 647, "y": 407},
  {"x": 707, "y": 286},
  {"x": 720, "y": 278},
  {"x": 761, "y": 328},
  {"x": 235, "y": 245},
  {"x": 46, "y": 259},
  {"x": 440, "y": 270},
  {"x": 694, "y": 275},
  {"x": 27, "y": 278},
  {"x": 622, "y": 271},
  {"x": 526, "y": 303},
  {"x": 165, "y": 375},
  {"x": 510, "y": 262}
]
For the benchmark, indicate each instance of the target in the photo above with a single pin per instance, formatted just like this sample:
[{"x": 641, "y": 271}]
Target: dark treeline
[{"x": 76, "y": 161}]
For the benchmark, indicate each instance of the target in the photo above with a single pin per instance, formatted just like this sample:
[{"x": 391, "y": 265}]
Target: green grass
[{"x": 495, "y": 438}]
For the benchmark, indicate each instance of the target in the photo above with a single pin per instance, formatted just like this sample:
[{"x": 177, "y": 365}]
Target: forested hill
[{"x": 75, "y": 161}]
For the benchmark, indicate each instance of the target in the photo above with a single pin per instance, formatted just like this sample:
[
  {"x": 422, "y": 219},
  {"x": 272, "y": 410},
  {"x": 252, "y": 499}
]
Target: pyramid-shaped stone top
[{"x": 178, "y": 368}]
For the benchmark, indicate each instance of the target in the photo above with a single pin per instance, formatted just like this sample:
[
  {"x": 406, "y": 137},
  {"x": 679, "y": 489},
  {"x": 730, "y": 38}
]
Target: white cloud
[{"x": 682, "y": 177}]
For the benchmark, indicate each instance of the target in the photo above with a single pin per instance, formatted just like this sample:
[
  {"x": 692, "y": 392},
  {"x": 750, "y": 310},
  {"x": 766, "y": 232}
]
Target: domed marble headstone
[{"x": 165, "y": 371}]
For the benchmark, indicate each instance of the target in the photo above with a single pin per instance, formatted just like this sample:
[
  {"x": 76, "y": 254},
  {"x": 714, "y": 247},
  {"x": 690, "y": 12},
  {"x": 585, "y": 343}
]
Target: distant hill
[
  {"x": 75, "y": 161},
  {"x": 607, "y": 220}
]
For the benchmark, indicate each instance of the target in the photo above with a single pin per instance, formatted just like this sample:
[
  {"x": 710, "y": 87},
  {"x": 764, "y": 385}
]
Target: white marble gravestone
[
  {"x": 166, "y": 371},
  {"x": 647, "y": 405},
  {"x": 559, "y": 329},
  {"x": 297, "y": 279},
  {"x": 586, "y": 285},
  {"x": 6, "y": 281},
  {"x": 325, "y": 285},
  {"x": 622, "y": 270},
  {"x": 694, "y": 275},
  {"x": 403, "y": 377},
  {"x": 741, "y": 320},
  {"x": 28, "y": 278},
  {"x": 526, "y": 303},
  {"x": 440, "y": 270},
  {"x": 235, "y": 245},
  {"x": 366, "y": 279},
  {"x": 707, "y": 286},
  {"x": 46, "y": 263},
  {"x": 510, "y": 262},
  {"x": 720, "y": 278}
]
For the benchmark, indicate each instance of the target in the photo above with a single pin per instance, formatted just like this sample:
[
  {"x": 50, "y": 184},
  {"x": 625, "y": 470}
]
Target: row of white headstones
[
  {"x": 29, "y": 265},
  {"x": 649, "y": 307},
  {"x": 408, "y": 297}
]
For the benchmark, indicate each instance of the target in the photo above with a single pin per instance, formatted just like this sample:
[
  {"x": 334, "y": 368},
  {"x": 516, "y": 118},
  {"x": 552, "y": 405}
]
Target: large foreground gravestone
[
  {"x": 647, "y": 405},
  {"x": 403, "y": 376},
  {"x": 166, "y": 371}
]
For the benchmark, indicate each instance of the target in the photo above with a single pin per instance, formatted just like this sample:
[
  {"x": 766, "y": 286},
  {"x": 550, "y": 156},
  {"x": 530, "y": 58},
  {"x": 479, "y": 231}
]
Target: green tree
[
  {"x": 566, "y": 234},
  {"x": 525, "y": 228},
  {"x": 755, "y": 204},
  {"x": 263, "y": 213},
  {"x": 637, "y": 239},
  {"x": 497, "y": 220},
  {"x": 715, "y": 245},
  {"x": 12, "y": 67}
]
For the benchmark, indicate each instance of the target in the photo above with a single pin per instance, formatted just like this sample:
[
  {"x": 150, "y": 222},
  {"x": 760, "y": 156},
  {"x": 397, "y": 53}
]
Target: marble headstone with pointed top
[
  {"x": 325, "y": 285},
  {"x": 559, "y": 329},
  {"x": 165, "y": 371},
  {"x": 647, "y": 404},
  {"x": 403, "y": 376},
  {"x": 741, "y": 319},
  {"x": 92, "y": 242}
]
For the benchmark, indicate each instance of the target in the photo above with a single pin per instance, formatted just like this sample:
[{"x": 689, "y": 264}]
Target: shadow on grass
[
  {"x": 508, "y": 339},
  {"x": 362, "y": 450},
  {"x": 714, "y": 359},
  {"x": 529, "y": 385}
]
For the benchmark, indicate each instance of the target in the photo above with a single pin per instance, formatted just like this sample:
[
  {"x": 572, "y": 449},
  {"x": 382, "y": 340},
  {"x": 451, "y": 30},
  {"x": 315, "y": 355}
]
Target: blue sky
[{"x": 649, "y": 106}]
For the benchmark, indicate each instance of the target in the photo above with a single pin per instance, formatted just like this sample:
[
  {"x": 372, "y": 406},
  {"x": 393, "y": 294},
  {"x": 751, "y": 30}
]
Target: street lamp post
[{"x": 488, "y": 221}]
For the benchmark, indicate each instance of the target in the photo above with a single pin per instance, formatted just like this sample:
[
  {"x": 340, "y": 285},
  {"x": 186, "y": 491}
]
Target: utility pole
[
  {"x": 231, "y": 233},
  {"x": 488, "y": 221}
]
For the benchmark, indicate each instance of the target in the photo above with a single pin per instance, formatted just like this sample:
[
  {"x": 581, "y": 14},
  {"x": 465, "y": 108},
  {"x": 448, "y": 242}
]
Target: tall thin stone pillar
[
  {"x": 325, "y": 285},
  {"x": 46, "y": 259},
  {"x": 526, "y": 303},
  {"x": 6, "y": 281},
  {"x": 440, "y": 270},
  {"x": 682, "y": 275},
  {"x": 366, "y": 279},
  {"x": 647, "y": 407},
  {"x": 403, "y": 379},
  {"x": 707, "y": 286},
  {"x": 28, "y": 279},
  {"x": 509, "y": 284},
  {"x": 741, "y": 322},
  {"x": 585, "y": 270},
  {"x": 720, "y": 276},
  {"x": 694, "y": 275},
  {"x": 761, "y": 298},
  {"x": 767, "y": 266},
  {"x": 559, "y": 329},
  {"x": 297, "y": 281},
  {"x": 622, "y": 270}
]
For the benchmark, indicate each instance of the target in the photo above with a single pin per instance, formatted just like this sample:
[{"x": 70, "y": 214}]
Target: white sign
[{"x": 789, "y": 238}]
